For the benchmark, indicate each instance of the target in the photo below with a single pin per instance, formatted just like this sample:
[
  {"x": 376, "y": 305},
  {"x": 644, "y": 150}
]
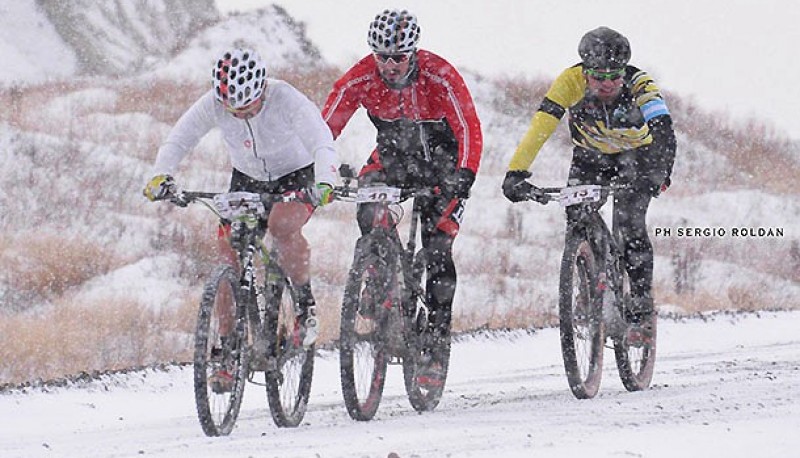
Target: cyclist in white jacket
[{"x": 278, "y": 143}]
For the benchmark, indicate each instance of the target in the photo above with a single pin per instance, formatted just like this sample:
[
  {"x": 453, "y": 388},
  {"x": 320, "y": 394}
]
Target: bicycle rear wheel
[
  {"x": 290, "y": 365},
  {"x": 581, "y": 317},
  {"x": 364, "y": 354},
  {"x": 220, "y": 369},
  {"x": 635, "y": 364},
  {"x": 426, "y": 347}
]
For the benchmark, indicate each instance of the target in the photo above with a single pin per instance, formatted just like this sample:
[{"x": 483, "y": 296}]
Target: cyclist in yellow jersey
[{"x": 621, "y": 128}]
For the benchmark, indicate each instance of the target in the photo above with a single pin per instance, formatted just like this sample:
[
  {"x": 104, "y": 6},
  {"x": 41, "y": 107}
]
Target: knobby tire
[
  {"x": 291, "y": 367},
  {"x": 420, "y": 341},
  {"x": 218, "y": 412},
  {"x": 364, "y": 351},
  {"x": 580, "y": 316},
  {"x": 634, "y": 364}
]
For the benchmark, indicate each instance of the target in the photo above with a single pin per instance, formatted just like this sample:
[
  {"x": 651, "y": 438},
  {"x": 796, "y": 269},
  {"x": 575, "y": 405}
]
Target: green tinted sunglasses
[{"x": 605, "y": 75}]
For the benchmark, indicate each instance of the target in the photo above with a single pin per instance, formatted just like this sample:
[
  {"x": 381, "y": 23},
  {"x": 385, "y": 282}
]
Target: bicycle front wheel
[
  {"x": 220, "y": 362},
  {"x": 290, "y": 365},
  {"x": 363, "y": 355},
  {"x": 581, "y": 317},
  {"x": 635, "y": 363},
  {"x": 427, "y": 360}
]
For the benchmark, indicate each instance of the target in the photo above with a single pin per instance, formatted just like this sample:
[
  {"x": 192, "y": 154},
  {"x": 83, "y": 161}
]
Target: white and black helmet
[
  {"x": 239, "y": 78},
  {"x": 393, "y": 32}
]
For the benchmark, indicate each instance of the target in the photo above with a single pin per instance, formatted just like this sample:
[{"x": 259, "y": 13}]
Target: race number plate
[
  {"x": 234, "y": 204},
  {"x": 378, "y": 194},
  {"x": 574, "y": 195}
]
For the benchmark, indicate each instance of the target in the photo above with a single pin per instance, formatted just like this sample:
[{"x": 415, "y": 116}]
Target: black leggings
[
  {"x": 630, "y": 168},
  {"x": 441, "y": 281}
]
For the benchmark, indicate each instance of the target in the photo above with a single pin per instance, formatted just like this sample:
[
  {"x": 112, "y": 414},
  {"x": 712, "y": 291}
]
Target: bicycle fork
[
  {"x": 252, "y": 316},
  {"x": 414, "y": 282}
]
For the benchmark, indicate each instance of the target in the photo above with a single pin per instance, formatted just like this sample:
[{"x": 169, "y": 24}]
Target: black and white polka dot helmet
[
  {"x": 393, "y": 31},
  {"x": 239, "y": 78}
]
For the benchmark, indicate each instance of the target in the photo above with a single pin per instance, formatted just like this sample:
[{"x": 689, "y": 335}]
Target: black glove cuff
[{"x": 524, "y": 174}]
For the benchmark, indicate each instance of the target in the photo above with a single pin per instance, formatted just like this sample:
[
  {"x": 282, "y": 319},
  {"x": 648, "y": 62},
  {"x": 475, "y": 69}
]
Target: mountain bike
[
  {"x": 256, "y": 303},
  {"x": 384, "y": 312},
  {"x": 594, "y": 296}
]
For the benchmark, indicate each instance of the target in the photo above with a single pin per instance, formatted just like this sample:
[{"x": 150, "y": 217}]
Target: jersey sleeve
[
  {"x": 185, "y": 134},
  {"x": 566, "y": 91},
  {"x": 462, "y": 117},
  {"x": 648, "y": 96},
  {"x": 315, "y": 135},
  {"x": 345, "y": 97},
  {"x": 659, "y": 121}
]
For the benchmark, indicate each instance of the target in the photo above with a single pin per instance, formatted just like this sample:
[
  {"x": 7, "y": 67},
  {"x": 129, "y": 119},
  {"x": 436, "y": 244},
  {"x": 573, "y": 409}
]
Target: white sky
[{"x": 736, "y": 58}]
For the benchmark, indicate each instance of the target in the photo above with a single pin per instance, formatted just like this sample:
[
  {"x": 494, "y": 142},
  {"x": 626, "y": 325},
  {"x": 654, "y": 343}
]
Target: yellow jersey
[{"x": 607, "y": 128}]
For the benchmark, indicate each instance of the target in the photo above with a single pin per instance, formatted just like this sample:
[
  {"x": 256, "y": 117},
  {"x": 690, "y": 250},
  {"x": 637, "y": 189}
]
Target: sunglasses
[
  {"x": 605, "y": 75},
  {"x": 396, "y": 58},
  {"x": 245, "y": 109}
]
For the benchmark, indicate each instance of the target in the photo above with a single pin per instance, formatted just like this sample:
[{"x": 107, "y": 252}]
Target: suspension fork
[
  {"x": 414, "y": 284},
  {"x": 249, "y": 312}
]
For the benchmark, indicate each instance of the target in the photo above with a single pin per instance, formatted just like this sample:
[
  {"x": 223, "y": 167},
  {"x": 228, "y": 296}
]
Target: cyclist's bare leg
[
  {"x": 286, "y": 221},
  {"x": 226, "y": 255}
]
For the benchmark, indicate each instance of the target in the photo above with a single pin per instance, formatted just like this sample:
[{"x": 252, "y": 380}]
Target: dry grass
[
  {"x": 315, "y": 83},
  {"x": 74, "y": 338},
  {"x": 523, "y": 316},
  {"x": 519, "y": 96},
  {"x": 165, "y": 100},
  {"x": 194, "y": 236},
  {"x": 733, "y": 298},
  {"x": 752, "y": 146},
  {"x": 44, "y": 265}
]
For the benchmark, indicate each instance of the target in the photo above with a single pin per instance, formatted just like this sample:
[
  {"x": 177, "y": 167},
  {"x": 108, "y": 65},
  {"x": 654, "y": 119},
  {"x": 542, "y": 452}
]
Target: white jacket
[{"x": 286, "y": 135}]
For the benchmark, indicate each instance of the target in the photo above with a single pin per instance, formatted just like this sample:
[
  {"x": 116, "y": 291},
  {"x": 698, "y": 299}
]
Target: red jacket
[{"x": 435, "y": 110}]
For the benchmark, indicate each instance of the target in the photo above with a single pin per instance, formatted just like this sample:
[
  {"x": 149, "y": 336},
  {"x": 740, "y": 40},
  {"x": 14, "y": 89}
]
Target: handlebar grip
[{"x": 540, "y": 195}]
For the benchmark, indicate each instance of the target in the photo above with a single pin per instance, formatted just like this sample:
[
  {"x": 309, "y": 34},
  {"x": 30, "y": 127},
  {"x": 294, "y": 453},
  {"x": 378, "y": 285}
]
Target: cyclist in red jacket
[{"x": 428, "y": 135}]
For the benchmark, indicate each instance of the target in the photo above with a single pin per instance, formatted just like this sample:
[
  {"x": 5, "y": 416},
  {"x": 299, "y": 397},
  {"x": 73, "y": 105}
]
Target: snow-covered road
[{"x": 726, "y": 387}]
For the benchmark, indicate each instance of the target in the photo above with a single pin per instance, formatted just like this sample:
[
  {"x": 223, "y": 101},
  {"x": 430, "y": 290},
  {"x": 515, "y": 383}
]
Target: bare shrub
[
  {"x": 520, "y": 316},
  {"x": 43, "y": 265},
  {"x": 315, "y": 83},
  {"x": 753, "y": 146},
  {"x": 738, "y": 298},
  {"x": 73, "y": 338},
  {"x": 166, "y": 100},
  {"x": 194, "y": 237},
  {"x": 519, "y": 96},
  {"x": 329, "y": 311}
]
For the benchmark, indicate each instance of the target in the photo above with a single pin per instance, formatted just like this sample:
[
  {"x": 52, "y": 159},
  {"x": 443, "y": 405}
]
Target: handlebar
[
  {"x": 348, "y": 193},
  {"x": 572, "y": 195},
  {"x": 543, "y": 195},
  {"x": 183, "y": 198},
  {"x": 234, "y": 205}
]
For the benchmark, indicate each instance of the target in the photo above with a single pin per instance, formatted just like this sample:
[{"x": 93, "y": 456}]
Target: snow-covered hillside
[
  {"x": 76, "y": 155},
  {"x": 52, "y": 40}
]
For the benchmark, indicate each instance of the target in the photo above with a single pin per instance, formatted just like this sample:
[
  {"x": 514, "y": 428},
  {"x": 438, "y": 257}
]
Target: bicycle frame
[
  {"x": 385, "y": 219},
  {"x": 263, "y": 337},
  {"x": 392, "y": 328},
  {"x": 606, "y": 242},
  {"x": 246, "y": 242},
  {"x": 592, "y": 294}
]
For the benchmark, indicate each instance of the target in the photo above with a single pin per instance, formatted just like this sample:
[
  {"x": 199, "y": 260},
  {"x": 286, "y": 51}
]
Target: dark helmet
[{"x": 604, "y": 48}]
